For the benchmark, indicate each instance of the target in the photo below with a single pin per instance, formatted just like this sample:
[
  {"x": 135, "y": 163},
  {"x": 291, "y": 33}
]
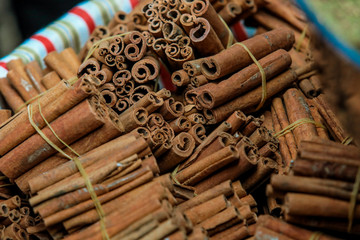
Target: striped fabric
[
  {"x": 71, "y": 30},
  {"x": 74, "y": 28}
]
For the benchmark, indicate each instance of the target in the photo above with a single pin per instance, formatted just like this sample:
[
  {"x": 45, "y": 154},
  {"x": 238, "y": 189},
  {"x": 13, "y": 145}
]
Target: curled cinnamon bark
[
  {"x": 145, "y": 70},
  {"x": 198, "y": 132},
  {"x": 180, "y": 78},
  {"x": 180, "y": 124},
  {"x": 90, "y": 66},
  {"x": 204, "y": 38},
  {"x": 171, "y": 109},
  {"x": 183, "y": 146},
  {"x": 135, "y": 46}
]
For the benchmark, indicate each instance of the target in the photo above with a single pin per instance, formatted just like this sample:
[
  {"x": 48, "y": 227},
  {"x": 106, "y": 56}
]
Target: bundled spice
[{"x": 93, "y": 132}]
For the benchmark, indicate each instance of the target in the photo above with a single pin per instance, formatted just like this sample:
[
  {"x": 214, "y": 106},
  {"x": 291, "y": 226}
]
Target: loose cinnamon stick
[
  {"x": 207, "y": 209},
  {"x": 59, "y": 64},
  {"x": 50, "y": 79},
  {"x": 5, "y": 114},
  {"x": 224, "y": 188},
  {"x": 34, "y": 72},
  {"x": 12, "y": 98},
  {"x": 25, "y": 88},
  {"x": 310, "y": 205}
]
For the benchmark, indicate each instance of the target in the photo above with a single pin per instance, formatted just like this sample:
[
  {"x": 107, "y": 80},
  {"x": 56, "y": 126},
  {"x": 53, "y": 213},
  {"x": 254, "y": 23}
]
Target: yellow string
[
  {"x": 353, "y": 199},
  {"x": 231, "y": 35},
  {"x": 263, "y": 76},
  {"x": 173, "y": 175},
  {"x": 301, "y": 39},
  {"x": 78, "y": 164},
  {"x": 347, "y": 140},
  {"x": 315, "y": 236},
  {"x": 296, "y": 124},
  {"x": 97, "y": 44},
  {"x": 29, "y": 101}
]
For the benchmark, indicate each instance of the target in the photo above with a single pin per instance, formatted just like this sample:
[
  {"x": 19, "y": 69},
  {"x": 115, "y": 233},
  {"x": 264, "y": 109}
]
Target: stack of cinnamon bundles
[
  {"x": 98, "y": 150},
  {"x": 322, "y": 192}
]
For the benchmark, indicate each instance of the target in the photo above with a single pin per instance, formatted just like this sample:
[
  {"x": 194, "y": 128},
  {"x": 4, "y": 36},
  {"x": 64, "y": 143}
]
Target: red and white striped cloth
[{"x": 74, "y": 28}]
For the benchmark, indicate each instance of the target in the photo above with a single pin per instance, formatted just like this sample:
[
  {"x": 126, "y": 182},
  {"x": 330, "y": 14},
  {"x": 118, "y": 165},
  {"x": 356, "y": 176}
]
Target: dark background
[{"x": 19, "y": 19}]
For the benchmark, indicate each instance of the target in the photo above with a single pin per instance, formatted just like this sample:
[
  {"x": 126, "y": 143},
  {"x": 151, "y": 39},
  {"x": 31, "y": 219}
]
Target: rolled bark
[
  {"x": 280, "y": 112},
  {"x": 112, "y": 224},
  {"x": 198, "y": 132},
  {"x": 317, "y": 117},
  {"x": 225, "y": 126},
  {"x": 228, "y": 61},
  {"x": 18, "y": 66},
  {"x": 201, "y": 169},
  {"x": 328, "y": 188},
  {"x": 66, "y": 98},
  {"x": 248, "y": 159},
  {"x": 206, "y": 10},
  {"x": 238, "y": 189},
  {"x": 12, "y": 203},
  {"x": 72, "y": 60},
  {"x": 241, "y": 82},
  {"x": 225, "y": 188},
  {"x": 317, "y": 206},
  {"x": 25, "y": 88},
  {"x": 204, "y": 37},
  {"x": 119, "y": 148},
  {"x": 263, "y": 232},
  {"x": 180, "y": 78},
  {"x": 5, "y": 114},
  {"x": 283, "y": 147},
  {"x": 297, "y": 109},
  {"x": 12, "y": 98},
  {"x": 73, "y": 198},
  {"x": 332, "y": 122},
  {"x": 35, "y": 74},
  {"x": 323, "y": 169},
  {"x": 50, "y": 79},
  {"x": 207, "y": 209},
  {"x": 236, "y": 232},
  {"x": 332, "y": 224},
  {"x": 222, "y": 221},
  {"x": 183, "y": 146},
  {"x": 248, "y": 101},
  {"x": 236, "y": 120},
  {"x": 263, "y": 169},
  {"x": 109, "y": 207},
  {"x": 59, "y": 64},
  {"x": 87, "y": 207},
  {"x": 71, "y": 126}
]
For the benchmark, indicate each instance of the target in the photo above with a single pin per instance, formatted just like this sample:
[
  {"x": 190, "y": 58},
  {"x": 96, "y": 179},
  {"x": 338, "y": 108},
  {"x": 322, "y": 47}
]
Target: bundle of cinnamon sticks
[
  {"x": 323, "y": 187},
  {"x": 187, "y": 164},
  {"x": 309, "y": 118}
]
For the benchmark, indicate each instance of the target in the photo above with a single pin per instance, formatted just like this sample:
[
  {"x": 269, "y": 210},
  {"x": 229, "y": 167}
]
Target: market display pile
[{"x": 96, "y": 150}]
